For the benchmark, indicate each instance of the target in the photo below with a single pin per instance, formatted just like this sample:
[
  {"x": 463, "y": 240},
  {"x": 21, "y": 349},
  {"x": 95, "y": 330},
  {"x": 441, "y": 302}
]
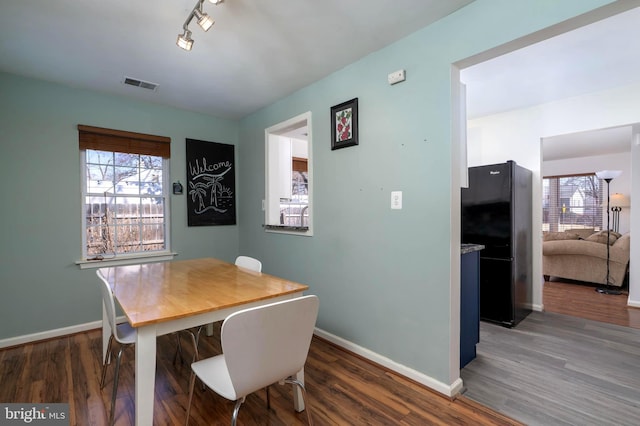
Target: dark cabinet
[{"x": 469, "y": 302}]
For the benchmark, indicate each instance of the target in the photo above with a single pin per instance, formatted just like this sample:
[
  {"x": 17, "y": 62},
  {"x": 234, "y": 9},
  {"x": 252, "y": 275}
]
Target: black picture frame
[{"x": 344, "y": 124}]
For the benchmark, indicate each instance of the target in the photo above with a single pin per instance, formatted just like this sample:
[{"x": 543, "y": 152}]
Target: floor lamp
[
  {"x": 608, "y": 176},
  {"x": 618, "y": 201}
]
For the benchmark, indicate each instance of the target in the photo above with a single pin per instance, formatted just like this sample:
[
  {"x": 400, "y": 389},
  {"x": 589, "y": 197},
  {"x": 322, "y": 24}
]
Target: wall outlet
[
  {"x": 396, "y": 77},
  {"x": 396, "y": 200}
]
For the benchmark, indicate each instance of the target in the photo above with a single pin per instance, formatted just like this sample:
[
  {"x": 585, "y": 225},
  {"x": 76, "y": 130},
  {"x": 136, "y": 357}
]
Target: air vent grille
[{"x": 140, "y": 83}]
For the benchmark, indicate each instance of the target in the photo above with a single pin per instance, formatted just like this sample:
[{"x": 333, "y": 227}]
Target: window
[
  {"x": 125, "y": 188},
  {"x": 570, "y": 202},
  {"x": 288, "y": 176}
]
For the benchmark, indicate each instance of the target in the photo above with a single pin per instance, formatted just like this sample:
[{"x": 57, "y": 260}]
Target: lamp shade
[
  {"x": 619, "y": 200},
  {"x": 608, "y": 174}
]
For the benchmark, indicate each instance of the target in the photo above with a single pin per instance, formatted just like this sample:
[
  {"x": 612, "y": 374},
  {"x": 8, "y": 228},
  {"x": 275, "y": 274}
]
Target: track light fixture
[
  {"x": 185, "y": 41},
  {"x": 205, "y": 22}
]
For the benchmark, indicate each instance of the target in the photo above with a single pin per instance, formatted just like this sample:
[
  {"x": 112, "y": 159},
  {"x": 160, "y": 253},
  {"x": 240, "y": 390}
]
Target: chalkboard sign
[{"x": 211, "y": 183}]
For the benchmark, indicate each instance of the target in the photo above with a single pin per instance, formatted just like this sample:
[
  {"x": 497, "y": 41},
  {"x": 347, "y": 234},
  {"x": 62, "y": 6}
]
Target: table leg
[
  {"x": 298, "y": 402},
  {"x": 145, "y": 374}
]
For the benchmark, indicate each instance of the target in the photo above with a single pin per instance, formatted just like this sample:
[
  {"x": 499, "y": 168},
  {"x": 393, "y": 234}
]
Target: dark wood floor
[
  {"x": 581, "y": 300},
  {"x": 343, "y": 389}
]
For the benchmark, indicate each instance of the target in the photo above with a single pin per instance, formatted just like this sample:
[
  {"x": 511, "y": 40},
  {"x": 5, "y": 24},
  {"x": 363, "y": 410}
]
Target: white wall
[
  {"x": 516, "y": 135},
  {"x": 578, "y": 165}
]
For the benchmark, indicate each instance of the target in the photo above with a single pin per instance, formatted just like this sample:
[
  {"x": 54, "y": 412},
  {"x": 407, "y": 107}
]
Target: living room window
[
  {"x": 571, "y": 202},
  {"x": 125, "y": 193}
]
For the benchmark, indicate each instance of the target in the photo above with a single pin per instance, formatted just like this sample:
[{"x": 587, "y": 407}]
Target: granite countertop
[{"x": 470, "y": 248}]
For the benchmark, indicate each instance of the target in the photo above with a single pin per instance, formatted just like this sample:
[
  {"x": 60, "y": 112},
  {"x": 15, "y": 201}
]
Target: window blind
[
  {"x": 102, "y": 139},
  {"x": 571, "y": 202}
]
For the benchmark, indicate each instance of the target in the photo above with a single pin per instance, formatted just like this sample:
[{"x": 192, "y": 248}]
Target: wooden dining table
[{"x": 165, "y": 297}]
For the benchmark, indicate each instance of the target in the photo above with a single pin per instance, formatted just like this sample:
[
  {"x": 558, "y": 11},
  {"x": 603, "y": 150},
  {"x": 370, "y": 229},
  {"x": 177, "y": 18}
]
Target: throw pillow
[
  {"x": 601, "y": 237},
  {"x": 552, "y": 236}
]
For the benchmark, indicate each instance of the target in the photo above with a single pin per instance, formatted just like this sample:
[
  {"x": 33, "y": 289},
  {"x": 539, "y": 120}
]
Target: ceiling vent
[{"x": 139, "y": 83}]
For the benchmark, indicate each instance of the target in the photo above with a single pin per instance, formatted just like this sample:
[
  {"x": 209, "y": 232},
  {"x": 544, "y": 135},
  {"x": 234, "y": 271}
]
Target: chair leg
[
  {"x": 178, "y": 350},
  {"x": 298, "y": 383},
  {"x": 114, "y": 393},
  {"x": 236, "y": 410},
  {"x": 195, "y": 338},
  {"x": 268, "y": 398},
  {"x": 192, "y": 382},
  {"x": 106, "y": 361}
]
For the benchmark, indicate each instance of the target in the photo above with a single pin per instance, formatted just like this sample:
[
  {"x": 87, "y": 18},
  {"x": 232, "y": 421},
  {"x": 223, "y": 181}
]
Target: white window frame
[
  {"x": 128, "y": 258},
  {"x": 270, "y": 176}
]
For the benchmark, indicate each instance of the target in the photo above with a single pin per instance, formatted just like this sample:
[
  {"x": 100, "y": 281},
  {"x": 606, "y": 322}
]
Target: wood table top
[{"x": 164, "y": 291}]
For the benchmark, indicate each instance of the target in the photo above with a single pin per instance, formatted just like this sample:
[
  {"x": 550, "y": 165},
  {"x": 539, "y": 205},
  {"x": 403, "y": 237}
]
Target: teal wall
[
  {"x": 40, "y": 206},
  {"x": 383, "y": 275}
]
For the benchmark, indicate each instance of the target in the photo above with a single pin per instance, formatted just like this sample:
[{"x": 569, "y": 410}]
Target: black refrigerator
[{"x": 497, "y": 213}]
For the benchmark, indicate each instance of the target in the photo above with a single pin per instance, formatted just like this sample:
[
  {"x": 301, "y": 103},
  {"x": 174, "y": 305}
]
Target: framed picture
[{"x": 344, "y": 124}]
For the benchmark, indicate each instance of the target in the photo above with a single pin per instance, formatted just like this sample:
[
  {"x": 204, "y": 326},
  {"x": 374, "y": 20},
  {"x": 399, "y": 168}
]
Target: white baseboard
[
  {"x": 50, "y": 334},
  {"x": 633, "y": 303},
  {"x": 448, "y": 390}
]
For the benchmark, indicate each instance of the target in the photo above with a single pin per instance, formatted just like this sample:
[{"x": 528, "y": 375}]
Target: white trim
[
  {"x": 276, "y": 130},
  {"x": 633, "y": 303},
  {"x": 50, "y": 334},
  {"x": 128, "y": 260},
  {"x": 448, "y": 390}
]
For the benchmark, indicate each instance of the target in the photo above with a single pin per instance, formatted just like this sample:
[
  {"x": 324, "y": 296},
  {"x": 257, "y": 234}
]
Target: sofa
[{"x": 582, "y": 255}]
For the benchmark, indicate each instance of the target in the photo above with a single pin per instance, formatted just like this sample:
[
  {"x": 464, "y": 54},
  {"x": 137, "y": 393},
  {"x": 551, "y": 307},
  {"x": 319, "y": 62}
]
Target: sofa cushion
[
  {"x": 553, "y": 236},
  {"x": 582, "y": 232},
  {"x": 601, "y": 237}
]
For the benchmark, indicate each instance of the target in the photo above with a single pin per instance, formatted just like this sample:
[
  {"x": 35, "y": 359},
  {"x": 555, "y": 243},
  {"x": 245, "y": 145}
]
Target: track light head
[
  {"x": 184, "y": 40},
  {"x": 204, "y": 20}
]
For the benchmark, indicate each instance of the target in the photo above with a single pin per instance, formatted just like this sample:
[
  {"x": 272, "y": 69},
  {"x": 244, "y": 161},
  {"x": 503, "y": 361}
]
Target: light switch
[{"x": 396, "y": 200}]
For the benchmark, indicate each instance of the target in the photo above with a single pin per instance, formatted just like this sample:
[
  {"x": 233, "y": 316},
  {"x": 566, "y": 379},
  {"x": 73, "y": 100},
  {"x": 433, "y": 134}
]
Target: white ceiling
[
  {"x": 593, "y": 58},
  {"x": 257, "y": 52}
]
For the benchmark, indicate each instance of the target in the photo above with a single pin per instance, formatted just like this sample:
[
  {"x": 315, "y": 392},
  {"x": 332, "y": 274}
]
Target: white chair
[
  {"x": 249, "y": 263},
  {"x": 260, "y": 346},
  {"x": 123, "y": 333},
  {"x": 241, "y": 261}
]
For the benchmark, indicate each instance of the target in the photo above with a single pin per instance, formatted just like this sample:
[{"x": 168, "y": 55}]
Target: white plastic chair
[
  {"x": 123, "y": 333},
  {"x": 241, "y": 261},
  {"x": 260, "y": 346},
  {"x": 249, "y": 263}
]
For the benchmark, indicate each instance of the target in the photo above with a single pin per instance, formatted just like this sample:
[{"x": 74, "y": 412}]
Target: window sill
[
  {"x": 285, "y": 229},
  {"x": 126, "y": 260}
]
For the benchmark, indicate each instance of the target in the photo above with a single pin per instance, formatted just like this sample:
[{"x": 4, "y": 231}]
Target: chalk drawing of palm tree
[
  {"x": 214, "y": 183},
  {"x": 197, "y": 190}
]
